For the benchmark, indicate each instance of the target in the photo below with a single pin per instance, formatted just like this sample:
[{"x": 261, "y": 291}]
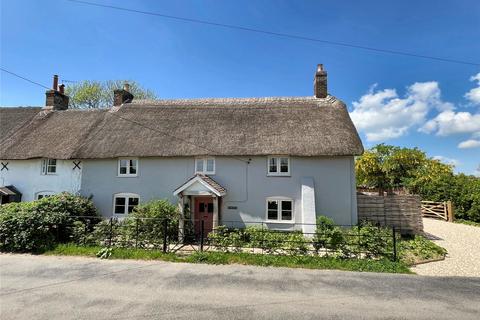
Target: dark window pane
[
  {"x": 272, "y": 166},
  {"x": 120, "y": 205},
  {"x": 286, "y": 205},
  {"x": 123, "y": 170},
  {"x": 210, "y": 208},
  {"x": 272, "y": 213},
  {"x": 201, "y": 207},
  {"x": 286, "y": 215},
  {"x": 284, "y": 165},
  {"x": 286, "y": 210},
  {"x": 120, "y": 201},
  {"x": 133, "y": 170},
  {"x": 132, "y": 203}
]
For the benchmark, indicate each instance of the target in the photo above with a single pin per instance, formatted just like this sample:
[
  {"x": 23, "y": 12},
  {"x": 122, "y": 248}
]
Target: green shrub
[
  {"x": 370, "y": 240},
  {"x": 418, "y": 250},
  {"x": 146, "y": 224},
  {"x": 227, "y": 240},
  {"x": 37, "y": 225},
  {"x": 327, "y": 235},
  {"x": 296, "y": 243}
]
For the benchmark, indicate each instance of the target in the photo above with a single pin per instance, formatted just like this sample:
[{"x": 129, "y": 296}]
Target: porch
[{"x": 199, "y": 202}]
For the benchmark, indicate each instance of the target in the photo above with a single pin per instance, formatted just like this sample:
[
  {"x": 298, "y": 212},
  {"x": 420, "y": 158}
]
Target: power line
[
  {"x": 23, "y": 78},
  {"x": 138, "y": 123},
  {"x": 279, "y": 34}
]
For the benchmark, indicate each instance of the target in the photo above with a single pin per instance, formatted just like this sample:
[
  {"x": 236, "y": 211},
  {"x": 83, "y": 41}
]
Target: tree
[
  {"x": 386, "y": 167},
  {"x": 99, "y": 94}
]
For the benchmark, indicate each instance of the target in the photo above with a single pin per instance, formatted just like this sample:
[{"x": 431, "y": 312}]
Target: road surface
[{"x": 41, "y": 287}]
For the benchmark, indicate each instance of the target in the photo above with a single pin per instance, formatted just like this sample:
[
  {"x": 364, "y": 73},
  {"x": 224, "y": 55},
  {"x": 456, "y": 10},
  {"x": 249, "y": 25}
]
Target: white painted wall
[
  {"x": 26, "y": 176},
  {"x": 248, "y": 185}
]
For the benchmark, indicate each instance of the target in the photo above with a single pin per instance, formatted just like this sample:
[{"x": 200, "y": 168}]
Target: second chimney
[
  {"x": 320, "y": 82},
  {"x": 121, "y": 96},
  {"x": 56, "y": 100}
]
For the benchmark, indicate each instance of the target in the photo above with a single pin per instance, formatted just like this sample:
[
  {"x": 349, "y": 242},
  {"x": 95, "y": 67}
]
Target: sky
[{"x": 394, "y": 99}]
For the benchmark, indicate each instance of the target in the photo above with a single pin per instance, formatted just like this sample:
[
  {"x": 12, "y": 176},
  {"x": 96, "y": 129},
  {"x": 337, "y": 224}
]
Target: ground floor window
[
  {"x": 279, "y": 209},
  {"x": 43, "y": 194},
  {"x": 124, "y": 203}
]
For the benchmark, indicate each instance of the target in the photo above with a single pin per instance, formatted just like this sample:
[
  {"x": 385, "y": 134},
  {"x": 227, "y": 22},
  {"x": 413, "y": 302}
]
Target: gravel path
[{"x": 463, "y": 245}]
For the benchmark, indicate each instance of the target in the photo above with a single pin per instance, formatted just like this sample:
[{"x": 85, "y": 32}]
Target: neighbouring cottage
[{"x": 226, "y": 161}]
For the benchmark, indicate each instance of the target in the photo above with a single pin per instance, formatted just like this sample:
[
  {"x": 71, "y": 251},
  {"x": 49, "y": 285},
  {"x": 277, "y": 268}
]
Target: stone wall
[{"x": 400, "y": 211}]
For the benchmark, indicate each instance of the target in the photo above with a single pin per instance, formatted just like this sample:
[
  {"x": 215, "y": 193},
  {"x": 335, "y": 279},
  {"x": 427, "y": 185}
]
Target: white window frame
[
  {"x": 126, "y": 196},
  {"x": 43, "y": 194},
  {"x": 278, "y": 173},
  {"x": 205, "y": 171},
  {"x": 128, "y": 174},
  {"x": 279, "y": 210},
  {"x": 46, "y": 165}
]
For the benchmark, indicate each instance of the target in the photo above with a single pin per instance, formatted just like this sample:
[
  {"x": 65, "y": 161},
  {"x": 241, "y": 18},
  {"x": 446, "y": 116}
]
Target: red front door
[{"x": 203, "y": 211}]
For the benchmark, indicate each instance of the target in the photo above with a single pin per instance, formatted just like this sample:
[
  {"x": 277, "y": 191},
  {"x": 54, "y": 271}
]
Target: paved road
[
  {"x": 463, "y": 245},
  {"x": 39, "y": 287}
]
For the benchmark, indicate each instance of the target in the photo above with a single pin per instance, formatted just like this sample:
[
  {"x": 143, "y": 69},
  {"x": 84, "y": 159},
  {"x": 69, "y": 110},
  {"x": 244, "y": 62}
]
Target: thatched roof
[
  {"x": 13, "y": 118},
  {"x": 300, "y": 126}
]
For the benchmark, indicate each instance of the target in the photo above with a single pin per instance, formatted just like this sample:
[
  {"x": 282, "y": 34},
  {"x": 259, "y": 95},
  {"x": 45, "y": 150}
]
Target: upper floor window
[
  {"x": 49, "y": 166},
  {"x": 279, "y": 209},
  {"x": 278, "y": 166},
  {"x": 205, "y": 165},
  {"x": 128, "y": 167},
  {"x": 123, "y": 203}
]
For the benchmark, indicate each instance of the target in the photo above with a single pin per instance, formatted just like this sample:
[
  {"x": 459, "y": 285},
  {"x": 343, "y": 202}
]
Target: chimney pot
[
  {"x": 55, "y": 82},
  {"x": 320, "y": 82},
  {"x": 62, "y": 88}
]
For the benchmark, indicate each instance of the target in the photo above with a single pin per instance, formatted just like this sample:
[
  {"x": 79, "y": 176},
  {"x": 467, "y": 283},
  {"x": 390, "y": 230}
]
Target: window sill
[
  {"x": 205, "y": 173},
  {"x": 279, "y": 175},
  {"x": 280, "y": 222},
  {"x": 127, "y": 175}
]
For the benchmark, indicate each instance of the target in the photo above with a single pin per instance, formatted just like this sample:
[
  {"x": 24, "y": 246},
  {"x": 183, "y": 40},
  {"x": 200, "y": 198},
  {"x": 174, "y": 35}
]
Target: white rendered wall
[{"x": 26, "y": 176}]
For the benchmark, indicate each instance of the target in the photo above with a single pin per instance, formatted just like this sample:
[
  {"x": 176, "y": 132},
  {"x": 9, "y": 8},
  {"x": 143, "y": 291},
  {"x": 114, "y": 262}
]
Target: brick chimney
[
  {"x": 56, "y": 100},
  {"x": 121, "y": 96},
  {"x": 320, "y": 82}
]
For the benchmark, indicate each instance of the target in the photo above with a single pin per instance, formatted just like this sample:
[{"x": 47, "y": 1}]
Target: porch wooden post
[
  {"x": 215, "y": 212},
  {"x": 181, "y": 220}
]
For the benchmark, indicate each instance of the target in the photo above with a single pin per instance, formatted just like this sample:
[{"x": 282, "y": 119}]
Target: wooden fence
[
  {"x": 438, "y": 210},
  {"x": 400, "y": 211}
]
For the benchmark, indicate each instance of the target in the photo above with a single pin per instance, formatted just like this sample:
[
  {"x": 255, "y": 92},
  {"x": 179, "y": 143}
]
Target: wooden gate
[{"x": 438, "y": 210}]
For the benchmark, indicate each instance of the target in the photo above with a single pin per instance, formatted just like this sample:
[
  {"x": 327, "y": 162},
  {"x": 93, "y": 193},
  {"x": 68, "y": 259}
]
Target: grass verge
[
  {"x": 308, "y": 262},
  {"x": 467, "y": 222}
]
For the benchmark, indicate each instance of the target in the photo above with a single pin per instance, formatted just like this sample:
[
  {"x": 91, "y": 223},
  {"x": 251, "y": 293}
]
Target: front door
[{"x": 203, "y": 211}]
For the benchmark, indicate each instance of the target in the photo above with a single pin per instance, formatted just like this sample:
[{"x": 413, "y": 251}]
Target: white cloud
[
  {"x": 451, "y": 122},
  {"x": 474, "y": 94},
  {"x": 382, "y": 115},
  {"x": 468, "y": 144},
  {"x": 450, "y": 161}
]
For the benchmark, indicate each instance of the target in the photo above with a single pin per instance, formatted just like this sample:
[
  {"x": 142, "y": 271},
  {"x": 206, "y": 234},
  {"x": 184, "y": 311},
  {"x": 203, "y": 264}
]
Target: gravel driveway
[{"x": 463, "y": 245}]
